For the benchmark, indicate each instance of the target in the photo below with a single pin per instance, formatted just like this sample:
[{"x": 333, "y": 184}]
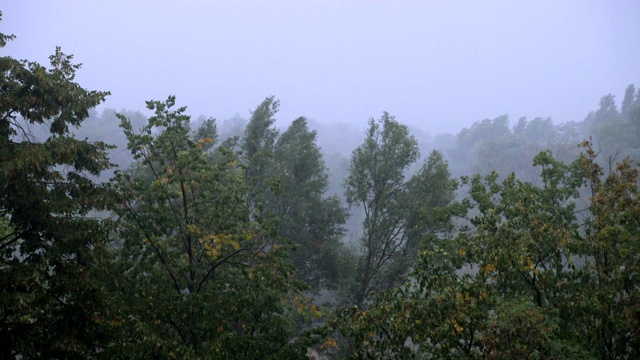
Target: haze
[{"x": 439, "y": 66}]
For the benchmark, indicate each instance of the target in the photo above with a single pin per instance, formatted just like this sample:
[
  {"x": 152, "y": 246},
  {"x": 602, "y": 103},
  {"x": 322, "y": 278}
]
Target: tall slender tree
[
  {"x": 311, "y": 220},
  {"x": 287, "y": 178},
  {"x": 257, "y": 145},
  {"x": 376, "y": 183}
]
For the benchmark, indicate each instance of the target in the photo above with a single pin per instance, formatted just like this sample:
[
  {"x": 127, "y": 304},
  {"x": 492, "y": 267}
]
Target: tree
[
  {"x": 304, "y": 215},
  {"x": 287, "y": 178},
  {"x": 104, "y": 126},
  {"x": 464, "y": 287},
  {"x": 630, "y": 110},
  {"x": 430, "y": 192},
  {"x": 609, "y": 299},
  {"x": 53, "y": 251},
  {"x": 478, "y": 146},
  {"x": 257, "y": 149},
  {"x": 199, "y": 276},
  {"x": 376, "y": 182},
  {"x": 522, "y": 277},
  {"x": 613, "y": 131}
]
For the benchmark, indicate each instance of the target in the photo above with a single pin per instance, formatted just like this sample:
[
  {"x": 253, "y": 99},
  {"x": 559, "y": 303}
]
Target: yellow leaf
[
  {"x": 329, "y": 343},
  {"x": 456, "y": 325},
  {"x": 489, "y": 268}
]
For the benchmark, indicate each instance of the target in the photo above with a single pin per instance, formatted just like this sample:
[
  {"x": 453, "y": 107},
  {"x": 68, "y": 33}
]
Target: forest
[{"x": 132, "y": 236}]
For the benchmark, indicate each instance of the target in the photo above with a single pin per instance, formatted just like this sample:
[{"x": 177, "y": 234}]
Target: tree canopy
[
  {"x": 523, "y": 277},
  {"x": 392, "y": 216},
  {"x": 226, "y": 242},
  {"x": 191, "y": 256},
  {"x": 53, "y": 249}
]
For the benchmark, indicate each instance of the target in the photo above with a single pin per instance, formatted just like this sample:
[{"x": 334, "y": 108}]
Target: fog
[
  {"x": 436, "y": 66},
  {"x": 382, "y": 179}
]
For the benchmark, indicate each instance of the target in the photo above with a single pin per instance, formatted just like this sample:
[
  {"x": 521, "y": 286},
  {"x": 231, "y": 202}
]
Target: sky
[{"x": 436, "y": 65}]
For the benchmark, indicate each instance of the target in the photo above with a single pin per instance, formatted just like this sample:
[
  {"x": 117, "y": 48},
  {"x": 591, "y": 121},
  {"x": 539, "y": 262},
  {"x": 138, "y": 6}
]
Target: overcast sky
[{"x": 437, "y": 65}]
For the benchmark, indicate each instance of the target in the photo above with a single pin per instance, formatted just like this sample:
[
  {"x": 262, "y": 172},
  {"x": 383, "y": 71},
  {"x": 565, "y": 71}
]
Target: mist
[
  {"x": 436, "y": 66},
  {"x": 319, "y": 179}
]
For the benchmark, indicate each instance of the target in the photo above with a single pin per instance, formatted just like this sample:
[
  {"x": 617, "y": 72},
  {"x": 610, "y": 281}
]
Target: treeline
[{"x": 228, "y": 240}]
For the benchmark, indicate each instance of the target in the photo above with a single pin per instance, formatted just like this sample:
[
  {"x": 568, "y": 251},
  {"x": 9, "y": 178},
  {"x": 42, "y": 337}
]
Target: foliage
[
  {"x": 199, "y": 276},
  {"x": 303, "y": 212},
  {"x": 522, "y": 278},
  {"x": 430, "y": 191},
  {"x": 53, "y": 252},
  {"x": 214, "y": 242},
  {"x": 376, "y": 183},
  {"x": 392, "y": 206},
  {"x": 615, "y": 131},
  {"x": 287, "y": 179},
  {"x": 490, "y": 145},
  {"x": 609, "y": 300},
  {"x": 257, "y": 150}
]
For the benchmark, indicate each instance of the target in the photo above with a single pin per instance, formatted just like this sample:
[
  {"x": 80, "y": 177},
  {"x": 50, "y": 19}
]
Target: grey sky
[{"x": 437, "y": 65}]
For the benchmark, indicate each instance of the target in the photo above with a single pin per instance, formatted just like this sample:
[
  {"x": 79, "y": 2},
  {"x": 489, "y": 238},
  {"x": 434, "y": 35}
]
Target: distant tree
[
  {"x": 233, "y": 127},
  {"x": 631, "y": 112},
  {"x": 629, "y": 101},
  {"x": 568, "y": 135},
  {"x": 481, "y": 147},
  {"x": 52, "y": 251},
  {"x": 104, "y": 126},
  {"x": 483, "y": 131},
  {"x": 613, "y": 131},
  {"x": 490, "y": 145}
]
